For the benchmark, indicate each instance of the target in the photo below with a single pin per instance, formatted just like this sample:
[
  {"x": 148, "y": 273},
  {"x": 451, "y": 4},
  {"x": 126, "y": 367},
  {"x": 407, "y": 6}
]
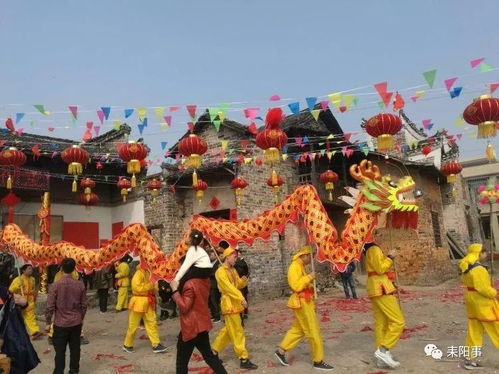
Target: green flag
[
  {"x": 217, "y": 125},
  {"x": 429, "y": 76},
  {"x": 41, "y": 109},
  {"x": 485, "y": 68}
]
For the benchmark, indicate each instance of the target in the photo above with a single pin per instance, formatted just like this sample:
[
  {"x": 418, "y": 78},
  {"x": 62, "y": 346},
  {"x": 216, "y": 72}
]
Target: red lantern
[
  {"x": 426, "y": 150},
  {"x": 87, "y": 184},
  {"x": 200, "y": 187},
  {"x": 450, "y": 170},
  {"x": 14, "y": 158},
  {"x": 124, "y": 185},
  {"x": 383, "y": 126},
  {"x": 238, "y": 185},
  {"x": 329, "y": 178},
  {"x": 76, "y": 158},
  {"x": 275, "y": 181},
  {"x": 193, "y": 147},
  {"x": 272, "y": 139},
  {"x": 154, "y": 186},
  {"x": 89, "y": 199},
  {"x": 132, "y": 153},
  {"x": 484, "y": 113}
]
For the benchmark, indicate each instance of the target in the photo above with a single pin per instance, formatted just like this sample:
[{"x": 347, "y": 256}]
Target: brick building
[{"x": 423, "y": 255}]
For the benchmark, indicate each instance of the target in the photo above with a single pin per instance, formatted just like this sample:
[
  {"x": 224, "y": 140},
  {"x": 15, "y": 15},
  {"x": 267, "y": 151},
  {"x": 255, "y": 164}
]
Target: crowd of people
[{"x": 210, "y": 286}]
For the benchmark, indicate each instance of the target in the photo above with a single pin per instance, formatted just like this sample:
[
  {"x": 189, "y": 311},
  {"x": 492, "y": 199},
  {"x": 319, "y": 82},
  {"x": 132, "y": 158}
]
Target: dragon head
[{"x": 383, "y": 195}]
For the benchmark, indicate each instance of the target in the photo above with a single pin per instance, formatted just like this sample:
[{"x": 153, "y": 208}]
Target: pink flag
[
  {"x": 324, "y": 105},
  {"x": 20, "y": 131},
  {"x": 382, "y": 88},
  {"x": 347, "y": 136},
  {"x": 493, "y": 87},
  {"x": 96, "y": 130},
  {"x": 190, "y": 125},
  {"x": 100, "y": 114},
  {"x": 426, "y": 123},
  {"x": 344, "y": 150},
  {"x": 474, "y": 63},
  {"x": 74, "y": 111},
  {"x": 349, "y": 152},
  {"x": 275, "y": 98},
  {"x": 191, "y": 109},
  {"x": 51, "y": 129},
  {"x": 449, "y": 83},
  {"x": 90, "y": 124},
  {"x": 414, "y": 98},
  {"x": 87, "y": 135},
  {"x": 174, "y": 108},
  {"x": 387, "y": 96},
  {"x": 251, "y": 113},
  {"x": 168, "y": 120},
  {"x": 459, "y": 136}
]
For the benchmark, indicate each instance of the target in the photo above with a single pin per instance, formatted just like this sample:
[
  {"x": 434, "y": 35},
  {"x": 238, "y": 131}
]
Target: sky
[{"x": 156, "y": 53}]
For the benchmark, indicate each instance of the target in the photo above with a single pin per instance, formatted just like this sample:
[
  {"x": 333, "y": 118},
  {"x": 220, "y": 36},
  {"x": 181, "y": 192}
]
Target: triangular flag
[
  {"x": 217, "y": 123},
  {"x": 275, "y": 98},
  {"x": 32, "y": 123},
  {"x": 191, "y": 109},
  {"x": 347, "y": 100},
  {"x": 305, "y": 139},
  {"x": 335, "y": 99},
  {"x": 429, "y": 76},
  {"x": 96, "y": 130},
  {"x": 213, "y": 112},
  {"x": 19, "y": 117},
  {"x": 190, "y": 126},
  {"x": 100, "y": 114},
  {"x": 106, "y": 110},
  {"x": 144, "y": 122},
  {"x": 116, "y": 124},
  {"x": 387, "y": 96},
  {"x": 159, "y": 112},
  {"x": 381, "y": 88},
  {"x": 426, "y": 123},
  {"x": 163, "y": 145},
  {"x": 51, "y": 129},
  {"x": 344, "y": 150},
  {"x": 311, "y": 101},
  {"x": 141, "y": 128},
  {"x": 398, "y": 102},
  {"x": 74, "y": 111},
  {"x": 355, "y": 100},
  {"x": 141, "y": 113},
  {"x": 474, "y": 63},
  {"x": 455, "y": 92},
  {"x": 349, "y": 152},
  {"x": 315, "y": 113},
  {"x": 324, "y": 105},
  {"x": 365, "y": 151},
  {"x": 221, "y": 116},
  {"x": 252, "y": 128},
  {"x": 251, "y": 113},
  {"x": 284, "y": 156},
  {"x": 89, "y": 125},
  {"x": 347, "y": 136},
  {"x": 493, "y": 87},
  {"x": 164, "y": 126},
  {"x": 430, "y": 126},
  {"x": 485, "y": 68},
  {"x": 294, "y": 107},
  {"x": 128, "y": 112},
  {"x": 224, "y": 144},
  {"x": 381, "y": 105},
  {"x": 41, "y": 109},
  {"x": 459, "y": 136},
  {"x": 168, "y": 120},
  {"x": 449, "y": 83},
  {"x": 173, "y": 108},
  {"x": 414, "y": 98}
]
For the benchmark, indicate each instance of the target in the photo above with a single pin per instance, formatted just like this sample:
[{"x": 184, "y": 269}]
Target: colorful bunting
[
  {"x": 429, "y": 76},
  {"x": 116, "y": 124},
  {"x": 484, "y": 68},
  {"x": 106, "y": 110},
  {"x": 141, "y": 113},
  {"x": 173, "y": 108},
  {"x": 159, "y": 112},
  {"x": 251, "y": 113},
  {"x": 74, "y": 111},
  {"x": 191, "y": 109},
  {"x": 41, "y": 109},
  {"x": 449, "y": 83},
  {"x": 163, "y": 145},
  {"x": 128, "y": 112},
  {"x": 217, "y": 123},
  {"x": 381, "y": 88},
  {"x": 275, "y": 98},
  {"x": 19, "y": 117},
  {"x": 398, "y": 102},
  {"x": 141, "y": 128},
  {"x": 315, "y": 113},
  {"x": 474, "y": 63},
  {"x": 311, "y": 101},
  {"x": 96, "y": 130},
  {"x": 455, "y": 92},
  {"x": 164, "y": 126},
  {"x": 100, "y": 114},
  {"x": 335, "y": 99},
  {"x": 294, "y": 107},
  {"x": 324, "y": 105},
  {"x": 493, "y": 87},
  {"x": 347, "y": 100}
]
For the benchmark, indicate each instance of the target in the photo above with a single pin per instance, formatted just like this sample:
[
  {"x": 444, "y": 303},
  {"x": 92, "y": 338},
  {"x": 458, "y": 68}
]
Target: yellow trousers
[
  {"x": 388, "y": 321},
  {"x": 233, "y": 332},
  {"x": 474, "y": 338},
  {"x": 29, "y": 318},
  {"x": 122, "y": 302},
  {"x": 149, "y": 318},
  {"x": 306, "y": 325}
]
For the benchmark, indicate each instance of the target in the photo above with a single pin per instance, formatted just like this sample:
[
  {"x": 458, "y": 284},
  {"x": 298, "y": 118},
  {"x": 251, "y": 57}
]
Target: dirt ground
[{"x": 434, "y": 315}]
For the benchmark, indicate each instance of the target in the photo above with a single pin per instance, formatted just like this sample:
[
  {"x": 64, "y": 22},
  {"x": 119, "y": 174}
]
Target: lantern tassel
[
  {"x": 487, "y": 130},
  {"x": 385, "y": 141},
  {"x": 134, "y": 181},
  {"x": 194, "y": 178},
  {"x": 9, "y": 183},
  {"x": 74, "y": 186},
  {"x": 330, "y": 196},
  {"x": 490, "y": 152},
  {"x": 274, "y": 177},
  {"x": 451, "y": 178}
]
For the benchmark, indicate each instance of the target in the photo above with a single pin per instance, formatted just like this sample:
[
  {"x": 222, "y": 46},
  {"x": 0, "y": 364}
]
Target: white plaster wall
[{"x": 132, "y": 212}]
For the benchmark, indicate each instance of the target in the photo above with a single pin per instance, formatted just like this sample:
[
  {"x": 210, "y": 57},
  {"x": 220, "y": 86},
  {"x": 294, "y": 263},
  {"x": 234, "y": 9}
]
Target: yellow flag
[
  {"x": 329, "y": 155},
  {"x": 335, "y": 99},
  {"x": 330, "y": 136},
  {"x": 164, "y": 126},
  {"x": 141, "y": 113},
  {"x": 224, "y": 143},
  {"x": 116, "y": 124},
  {"x": 247, "y": 160},
  {"x": 221, "y": 116},
  {"x": 284, "y": 157},
  {"x": 159, "y": 113},
  {"x": 347, "y": 100},
  {"x": 315, "y": 113},
  {"x": 419, "y": 94}
]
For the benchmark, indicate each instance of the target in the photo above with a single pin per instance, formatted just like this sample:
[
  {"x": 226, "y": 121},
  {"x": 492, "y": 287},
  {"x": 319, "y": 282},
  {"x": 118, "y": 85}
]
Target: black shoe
[
  {"x": 128, "y": 349},
  {"x": 245, "y": 316},
  {"x": 248, "y": 365},
  {"x": 281, "y": 358},
  {"x": 322, "y": 366},
  {"x": 83, "y": 340},
  {"x": 472, "y": 365},
  {"x": 159, "y": 349}
]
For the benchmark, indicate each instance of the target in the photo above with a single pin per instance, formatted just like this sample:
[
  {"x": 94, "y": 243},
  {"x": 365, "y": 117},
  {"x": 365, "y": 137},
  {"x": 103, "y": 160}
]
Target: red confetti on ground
[
  {"x": 47, "y": 351},
  {"x": 409, "y": 331},
  {"x": 378, "y": 372},
  {"x": 143, "y": 337},
  {"x": 362, "y": 305},
  {"x": 271, "y": 364},
  {"x": 291, "y": 360},
  {"x": 98, "y": 356},
  {"x": 325, "y": 319},
  {"x": 123, "y": 369},
  {"x": 366, "y": 328},
  {"x": 196, "y": 357},
  {"x": 201, "y": 370}
]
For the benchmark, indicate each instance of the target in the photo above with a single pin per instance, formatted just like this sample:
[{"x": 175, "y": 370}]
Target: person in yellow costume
[
  {"x": 142, "y": 306},
  {"x": 24, "y": 285},
  {"x": 481, "y": 303},
  {"x": 232, "y": 304},
  {"x": 123, "y": 282},
  {"x": 57, "y": 277},
  {"x": 388, "y": 319},
  {"x": 302, "y": 303}
]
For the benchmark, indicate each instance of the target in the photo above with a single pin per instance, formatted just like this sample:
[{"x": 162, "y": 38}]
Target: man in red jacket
[{"x": 195, "y": 323}]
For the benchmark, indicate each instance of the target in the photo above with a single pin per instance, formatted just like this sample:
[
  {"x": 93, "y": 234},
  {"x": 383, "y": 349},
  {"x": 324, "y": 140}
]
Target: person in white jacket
[{"x": 196, "y": 263}]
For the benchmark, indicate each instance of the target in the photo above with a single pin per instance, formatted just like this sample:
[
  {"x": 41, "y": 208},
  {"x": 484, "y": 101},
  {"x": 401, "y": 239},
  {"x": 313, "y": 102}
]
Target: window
[{"x": 436, "y": 229}]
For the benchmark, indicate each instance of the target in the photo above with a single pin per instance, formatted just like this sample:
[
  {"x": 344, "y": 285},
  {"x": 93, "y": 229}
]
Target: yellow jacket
[
  {"x": 229, "y": 285},
  {"x": 122, "y": 275},
  {"x": 480, "y": 297},
  {"x": 60, "y": 273},
  {"x": 142, "y": 291},
  {"x": 28, "y": 287},
  {"x": 377, "y": 264},
  {"x": 300, "y": 283}
]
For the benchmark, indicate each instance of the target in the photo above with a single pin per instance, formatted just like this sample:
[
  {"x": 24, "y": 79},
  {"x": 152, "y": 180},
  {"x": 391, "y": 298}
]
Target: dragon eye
[{"x": 392, "y": 184}]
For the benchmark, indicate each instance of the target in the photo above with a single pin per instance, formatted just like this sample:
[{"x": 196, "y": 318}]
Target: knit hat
[
  {"x": 472, "y": 256},
  {"x": 305, "y": 250}
]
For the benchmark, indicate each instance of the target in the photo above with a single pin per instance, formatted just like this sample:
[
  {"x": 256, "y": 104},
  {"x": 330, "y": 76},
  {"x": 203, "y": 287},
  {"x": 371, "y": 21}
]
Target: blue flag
[
  {"x": 163, "y": 145},
  {"x": 106, "y": 110},
  {"x": 294, "y": 107},
  {"x": 311, "y": 101},
  {"x": 19, "y": 117},
  {"x": 128, "y": 112},
  {"x": 455, "y": 92},
  {"x": 305, "y": 139},
  {"x": 144, "y": 122},
  {"x": 141, "y": 128}
]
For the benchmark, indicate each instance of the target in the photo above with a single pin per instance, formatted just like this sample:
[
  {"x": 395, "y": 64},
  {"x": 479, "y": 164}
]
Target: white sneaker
[
  {"x": 386, "y": 358},
  {"x": 393, "y": 358}
]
